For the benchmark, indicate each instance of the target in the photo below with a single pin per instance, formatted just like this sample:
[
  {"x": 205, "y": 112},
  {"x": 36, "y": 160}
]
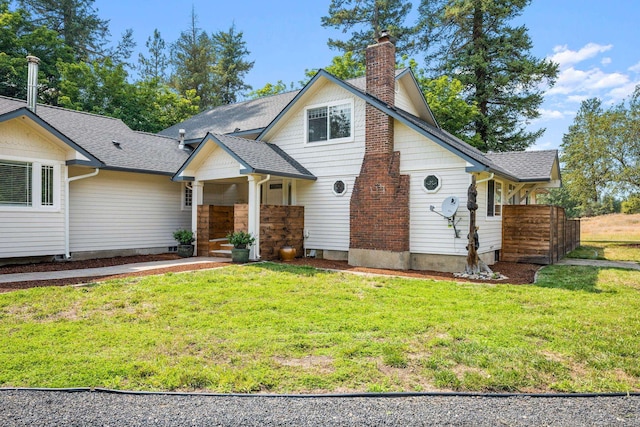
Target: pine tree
[
  {"x": 230, "y": 67},
  {"x": 76, "y": 21},
  {"x": 193, "y": 59},
  {"x": 473, "y": 41},
  {"x": 154, "y": 67},
  {"x": 365, "y": 19}
]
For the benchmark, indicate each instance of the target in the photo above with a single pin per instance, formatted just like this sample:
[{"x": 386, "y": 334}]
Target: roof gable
[
  {"x": 109, "y": 143},
  {"x": 8, "y": 114},
  {"x": 253, "y": 156}
]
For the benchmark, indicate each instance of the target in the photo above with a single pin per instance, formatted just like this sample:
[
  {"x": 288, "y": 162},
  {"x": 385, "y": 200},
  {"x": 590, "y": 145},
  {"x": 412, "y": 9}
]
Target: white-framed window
[
  {"x": 187, "y": 196},
  {"x": 431, "y": 183},
  {"x": 331, "y": 122},
  {"x": 339, "y": 187},
  {"x": 29, "y": 184},
  {"x": 494, "y": 198}
]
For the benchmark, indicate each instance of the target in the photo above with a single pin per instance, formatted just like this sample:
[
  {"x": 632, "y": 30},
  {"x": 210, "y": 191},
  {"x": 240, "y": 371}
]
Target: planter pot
[
  {"x": 240, "y": 255},
  {"x": 287, "y": 253},
  {"x": 185, "y": 251}
]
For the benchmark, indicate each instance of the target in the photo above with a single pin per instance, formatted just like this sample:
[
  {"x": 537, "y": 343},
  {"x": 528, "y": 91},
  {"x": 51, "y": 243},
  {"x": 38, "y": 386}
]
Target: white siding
[
  {"x": 403, "y": 101},
  {"x": 120, "y": 210},
  {"x": 430, "y": 233},
  {"x": 326, "y": 215},
  {"x": 29, "y": 231},
  {"x": 215, "y": 164},
  {"x": 490, "y": 232}
]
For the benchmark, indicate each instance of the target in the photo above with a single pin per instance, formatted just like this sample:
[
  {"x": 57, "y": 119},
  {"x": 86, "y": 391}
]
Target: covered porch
[
  {"x": 240, "y": 184},
  {"x": 261, "y": 205}
]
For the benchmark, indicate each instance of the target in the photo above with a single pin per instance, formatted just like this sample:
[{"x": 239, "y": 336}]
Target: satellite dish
[{"x": 450, "y": 206}]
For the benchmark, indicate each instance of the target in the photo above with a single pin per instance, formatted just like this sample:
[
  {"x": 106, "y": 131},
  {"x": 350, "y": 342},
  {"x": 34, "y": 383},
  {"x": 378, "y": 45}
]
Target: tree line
[
  {"x": 82, "y": 69},
  {"x": 601, "y": 159}
]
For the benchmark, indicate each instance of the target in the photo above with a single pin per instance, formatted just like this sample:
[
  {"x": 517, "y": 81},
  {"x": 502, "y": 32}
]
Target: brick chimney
[{"x": 380, "y": 198}]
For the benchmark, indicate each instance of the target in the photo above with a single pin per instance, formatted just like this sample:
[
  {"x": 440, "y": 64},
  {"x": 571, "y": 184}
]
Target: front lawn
[{"x": 275, "y": 328}]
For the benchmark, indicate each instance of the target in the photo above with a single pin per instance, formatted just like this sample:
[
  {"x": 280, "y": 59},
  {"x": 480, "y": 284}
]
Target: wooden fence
[{"x": 537, "y": 234}]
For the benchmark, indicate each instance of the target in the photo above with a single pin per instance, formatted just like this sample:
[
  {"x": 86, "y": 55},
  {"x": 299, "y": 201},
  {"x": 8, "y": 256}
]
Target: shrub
[
  {"x": 631, "y": 205},
  {"x": 184, "y": 237}
]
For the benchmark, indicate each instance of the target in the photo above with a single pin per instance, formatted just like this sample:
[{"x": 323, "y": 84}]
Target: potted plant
[
  {"x": 241, "y": 241},
  {"x": 185, "y": 239}
]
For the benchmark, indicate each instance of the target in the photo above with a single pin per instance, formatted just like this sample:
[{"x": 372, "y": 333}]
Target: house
[
  {"x": 80, "y": 185},
  {"x": 352, "y": 170},
  {"x": 365, "y": 160}
]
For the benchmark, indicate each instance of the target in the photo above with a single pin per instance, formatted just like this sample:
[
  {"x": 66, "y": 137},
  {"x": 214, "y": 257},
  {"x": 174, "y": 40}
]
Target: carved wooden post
[{"x": 472, "y": 257}]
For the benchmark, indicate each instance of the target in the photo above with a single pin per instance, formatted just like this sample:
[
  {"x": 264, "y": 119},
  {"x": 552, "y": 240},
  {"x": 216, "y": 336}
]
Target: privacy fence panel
[{"x": 537, "y": 234}]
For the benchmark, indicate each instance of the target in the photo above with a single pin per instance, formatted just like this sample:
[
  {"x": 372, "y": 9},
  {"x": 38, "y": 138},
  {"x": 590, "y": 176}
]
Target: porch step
[
  {"x": 221, "y": 253},
  {"x": 215, "y": 244}
]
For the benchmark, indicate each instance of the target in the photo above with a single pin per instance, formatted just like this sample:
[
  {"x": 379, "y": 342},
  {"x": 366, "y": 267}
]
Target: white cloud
[
  {"x": 619, "y": 93},
  {"x": 566, "y": 57},
  {"x": 635, "y": 68},
  {"x": 606, "y": 61},
  {"x": 550, "y": 114},
  {"x": 577, "y": 98},
  {"x": 586, "y": 82}
]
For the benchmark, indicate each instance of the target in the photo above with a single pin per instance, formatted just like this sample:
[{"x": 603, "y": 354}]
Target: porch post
[
  {"x": 254, "y": 212},
  {"x": 196, "y": 200}
]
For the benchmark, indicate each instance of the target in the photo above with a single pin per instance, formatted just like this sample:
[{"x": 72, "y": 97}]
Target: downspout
[
  {"x": 257, "y": 216},
  {"x": 67, "y": 196},
  {"x": 486, "y": 179}
]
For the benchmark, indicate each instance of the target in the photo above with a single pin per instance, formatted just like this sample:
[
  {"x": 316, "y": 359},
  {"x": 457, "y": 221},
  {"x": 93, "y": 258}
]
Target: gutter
[{"x": 67, "y": 180}]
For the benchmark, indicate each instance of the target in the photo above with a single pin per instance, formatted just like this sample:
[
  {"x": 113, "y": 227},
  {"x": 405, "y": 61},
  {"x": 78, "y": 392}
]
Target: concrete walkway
[
  {"x": 600, "y": 263},
  {"x": 106, "y": 271}
]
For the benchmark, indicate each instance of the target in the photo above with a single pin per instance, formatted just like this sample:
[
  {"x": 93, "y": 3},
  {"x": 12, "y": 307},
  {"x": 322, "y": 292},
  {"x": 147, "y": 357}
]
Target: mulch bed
[{"x": 517, "y": 273}]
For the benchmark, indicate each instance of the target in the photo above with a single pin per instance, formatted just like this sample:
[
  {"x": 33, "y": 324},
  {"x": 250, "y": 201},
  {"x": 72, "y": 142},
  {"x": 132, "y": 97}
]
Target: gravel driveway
[{"x": 55, "y": 408}]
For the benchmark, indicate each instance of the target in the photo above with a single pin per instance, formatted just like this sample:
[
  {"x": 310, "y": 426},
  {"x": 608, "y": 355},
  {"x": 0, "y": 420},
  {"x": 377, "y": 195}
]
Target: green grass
[
  {"x": 611, "y": 251},
  {"x": 274, "y": 328}
]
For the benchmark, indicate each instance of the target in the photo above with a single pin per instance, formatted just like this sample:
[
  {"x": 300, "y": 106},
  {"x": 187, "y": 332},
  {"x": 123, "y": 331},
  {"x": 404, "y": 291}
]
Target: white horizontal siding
[
  {"x": 27, "y": 231},
  {"x": 403, "y": 101},
  {"x": 323, "y": 159},
  {"x": 430, "y": 233},
  {"x": 118, "y": 210},
  {"x": 21, "y": 138},
  {"x": 490, "y": 232},
  {"x": 213, "y": 163},
  {"x": 326, "y": 216}
]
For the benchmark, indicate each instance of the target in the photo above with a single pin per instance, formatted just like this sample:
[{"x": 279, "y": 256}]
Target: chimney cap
[{"x": 384, "y": 36}]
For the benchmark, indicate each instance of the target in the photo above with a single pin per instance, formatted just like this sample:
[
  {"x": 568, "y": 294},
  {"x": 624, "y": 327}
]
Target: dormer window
[{"x": 332, "y": 122}]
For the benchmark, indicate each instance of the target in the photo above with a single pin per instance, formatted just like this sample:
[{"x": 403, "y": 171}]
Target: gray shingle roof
[
  {"x": 255, "y": 114},
  {"x": 258, "y": 156},
  {"x": 527, "y": 165},
  {"x": 245, "y": 116},
  {"x": 136, "y": 151}
]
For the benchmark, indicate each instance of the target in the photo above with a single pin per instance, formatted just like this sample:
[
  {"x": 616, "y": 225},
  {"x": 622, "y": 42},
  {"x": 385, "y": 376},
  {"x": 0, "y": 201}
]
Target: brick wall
[{"x": 380, "y": 198}]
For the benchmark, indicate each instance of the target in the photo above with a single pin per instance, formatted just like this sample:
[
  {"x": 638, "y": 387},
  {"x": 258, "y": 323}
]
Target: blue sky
[{"x": 594, "y": 41}]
